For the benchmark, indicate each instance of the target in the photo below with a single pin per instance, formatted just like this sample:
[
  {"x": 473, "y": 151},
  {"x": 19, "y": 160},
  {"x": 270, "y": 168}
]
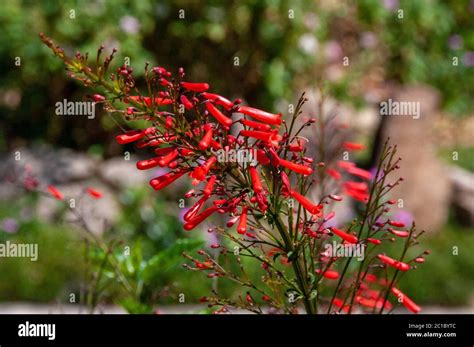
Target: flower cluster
[{"x": 268, "y": 198}]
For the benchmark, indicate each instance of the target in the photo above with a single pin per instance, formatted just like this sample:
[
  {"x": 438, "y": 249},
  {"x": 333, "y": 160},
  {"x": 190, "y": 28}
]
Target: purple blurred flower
[
  {"x": 182, "y": 212},
  {"x": 455, "y": 42},
  {"x": 468, "y": 58},
  {"x": 368, "y": 39},
  {"x": 10, "y": 225},
  {"x": 403, "y": 216},
  {"x": 391, "y": 4},
  {"x": 333, "y": 51},
  {"x": 130, "y": 24},
  {"x": 211, "y": 238}
]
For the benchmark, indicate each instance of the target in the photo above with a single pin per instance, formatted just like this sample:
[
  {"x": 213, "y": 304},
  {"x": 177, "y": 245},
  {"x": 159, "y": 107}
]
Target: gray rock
[{"x": 463, "y": 195}]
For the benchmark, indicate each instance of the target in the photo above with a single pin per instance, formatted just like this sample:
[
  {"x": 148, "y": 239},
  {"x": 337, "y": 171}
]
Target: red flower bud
[
  {"x": 98, "y": 98},
  {"x": 395, "y": 263},
  {"x": 359, "y": 172},
  {"x": 218, "y": 115},
  {"x": 396, "y": 224},
  {"x": 334, "y": 174},
  {"x": 185, "y": 101},
  {"x": 168, "y": 158},
  {"x": 193, "y": 211},
  {"x": 166, "y": 179},
  {"x": 242, "y": 227},
  {"x": 262, "y": 116},
  {"x": 301, "y": 169},
  {"x": 256, "y": 182},
  {"x": 195, "y": 87},
  {"x": 329, "y": 274},
  {"x": 308, "y": 205},
  {"x": 255, "y": 125},
  {"x": 374, "y": 241},
  {"x": 220, "y": 100},
  {"x": 345, "y": 236},
  {"x": 204, "y": 143},
  {"x": 209, "y": 186},
  {"x": 200, "y": 172},
  {"x": 406, "y": 301},
  {"x": 191, "y": 224},
  {"x": 352, "y": 146},
  {"x": 55, "y": 192},
  {"x": 399, "y": 233},
  {"x": 133, "y": 135},
  {"x": 94, "y": 193}
]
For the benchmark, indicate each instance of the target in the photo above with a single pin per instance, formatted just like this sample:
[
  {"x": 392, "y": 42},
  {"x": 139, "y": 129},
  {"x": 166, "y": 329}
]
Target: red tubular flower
[
  {"x": 255, "y": 125},
  {"x": 406, "y": 301},
  {"x": 259, "y": 135},
  {"x": 242, "y": 227},
  {"x": 209, "y": 186},
  {"x": 345, "y": 236},
  {"x": 352, "y": 146},
  {"x": 147, "y": 100},
  {"x": 301, "y": 169},
  {"x": 256, "y": 182},
  {"x": 262, "y": 157},
  {"x": 94, "y": 193},
  {"x": 169, "y": 122},
  {"x": 194, "y": 222},
  {"x": 200, "y": 172},
  {"x": 334, "y": 174},
  {"x": 220, "y": 100},
  {"x": 399, "y": 233},
  {"x": 55, "y": 192},
  {"x": 133, "y": 135},
  {"x": 296, "y": 147},
  {"x": 374, "y": 241},
  {"x": 166, "y": 179},
  {"x": 148, "y": 163},
  {"x": 193, "y": 211},
  {"x": 329, "y": 274},
  {"x": 396, "y": 224},
  {"x": 206, "y": 139},
  {"x": 346, "y": 165},
  {"x": 359, "y": 172},
  {"x": 218, "y": 115},
  {"x": 372, "y": 303},
  {"x": 395, "y": 263},
  {"x": 340, "y": 303},
  {"x": 308, "y": 205},
  {"x": 165, "y": 160},
  {"x": 358, "y": 190},
  {"x": 262, "y": 116},
  {"x": 195, "y": 87},
  {"x": 185, "y": 101}
]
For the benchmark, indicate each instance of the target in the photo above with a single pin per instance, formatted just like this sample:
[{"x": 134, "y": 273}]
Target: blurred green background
[{"x": 264, "y": 51}]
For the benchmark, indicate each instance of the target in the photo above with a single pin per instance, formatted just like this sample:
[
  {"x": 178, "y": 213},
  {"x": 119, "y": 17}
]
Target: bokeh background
[{"x": 266, "y": 52}]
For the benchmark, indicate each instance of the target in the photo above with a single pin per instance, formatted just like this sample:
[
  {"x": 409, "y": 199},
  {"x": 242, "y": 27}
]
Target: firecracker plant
[{"x": 277, "y": 207}]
